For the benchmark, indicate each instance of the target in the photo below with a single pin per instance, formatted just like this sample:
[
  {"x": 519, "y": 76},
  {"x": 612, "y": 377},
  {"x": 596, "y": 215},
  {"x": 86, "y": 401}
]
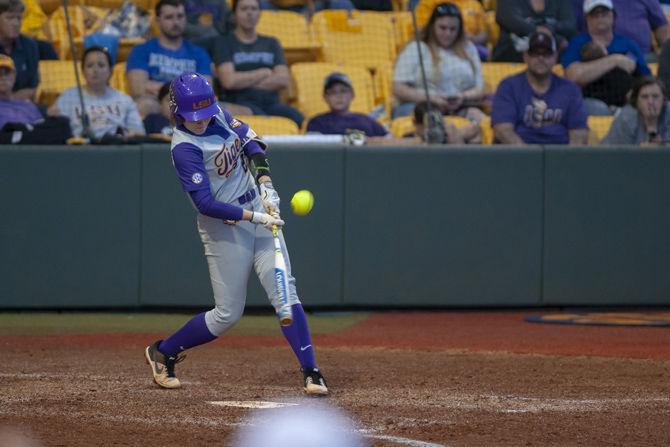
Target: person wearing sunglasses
[
  {"x": 453, "y": 72},
  {"x": 537, "y": 106}
]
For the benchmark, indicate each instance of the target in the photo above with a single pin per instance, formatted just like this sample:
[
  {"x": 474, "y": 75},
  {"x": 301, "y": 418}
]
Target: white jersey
[{"x": 221, "y": 155}]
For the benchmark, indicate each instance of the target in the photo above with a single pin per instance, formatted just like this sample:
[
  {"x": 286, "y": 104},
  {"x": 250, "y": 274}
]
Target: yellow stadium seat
[
  {"x": 598, "y": 128},
  {"x": 355, "y": 38},
  {"x": 119, "y": 80},
  {"x": 403, "y": 28},
  {"x": 55, "y": 77},
  {"x": 492, "y": 28},
  {"x": 402, "y": 125},
  {"x": 270, "y": 125},
  {"x": 293, "y": 32},
  {"x": 653, "y": 66},
  {"x": 289, "y": 27},
  {"x": 83, "y": 20},
  {"x": 383, "y": 85},
  {"x": 494, "y": 72},
  {"x": 473, "y": 13},
  {"x": 487, "y": 130},
  {"x": 309, "y": 76}
]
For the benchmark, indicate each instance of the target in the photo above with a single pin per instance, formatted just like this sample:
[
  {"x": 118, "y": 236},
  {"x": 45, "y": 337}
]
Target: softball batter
[{"x": 211, "y": 151}]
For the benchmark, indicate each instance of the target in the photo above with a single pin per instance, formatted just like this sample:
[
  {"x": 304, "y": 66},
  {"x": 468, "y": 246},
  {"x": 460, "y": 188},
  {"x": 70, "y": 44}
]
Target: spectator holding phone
[{"x": 451, "y": 64}]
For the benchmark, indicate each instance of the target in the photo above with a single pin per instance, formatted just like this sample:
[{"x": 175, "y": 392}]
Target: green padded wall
[
  {"x": 69, "y": 234},
  {"x": 607, "y": 237},
  {"x": 315, "y": 240},
  {"x": 443, "y": 227},
  {"x": 174, "y": 270}
]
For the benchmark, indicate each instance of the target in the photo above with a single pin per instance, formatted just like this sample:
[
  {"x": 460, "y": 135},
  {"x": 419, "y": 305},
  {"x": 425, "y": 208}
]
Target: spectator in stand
[
  {"x": 110, "y": 112},
  {"x": 338, "y": 92},
  {"x": 645, "y": 121},
  {"x": 161, "y": 123},
  {"x": 601, "y": 78},
  {"x": 537, "y": 106},
  {"x": 452, "y": 67},
  {"x": 664, "y": 66},
  {"x": 14, "y": 110},
  {"x": 520, "y": 18},
  {"x": 163, "y": 58},
  {"x": 635, "y": 19},
  {"x": 252, "y": 68},
  {"x": 205, "y": 21},
  {"x": 21, "y": 121},
  {"x": 22, "y": 49},
  {"x": 473, "y": 14}
]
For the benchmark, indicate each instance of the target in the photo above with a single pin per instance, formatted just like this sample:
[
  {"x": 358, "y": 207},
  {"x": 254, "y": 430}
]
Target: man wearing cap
[
  {"x": 621, "y": 54},
  {"x": 537, "y": 106},
  {"x": 338, "y": 92},
  {"x": 14, "y": 110}
]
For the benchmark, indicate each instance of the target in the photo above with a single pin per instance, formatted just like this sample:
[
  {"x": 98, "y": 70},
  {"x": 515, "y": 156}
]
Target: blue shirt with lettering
[
  {"x": 165, "y": 64},
  {"x": 539, "y": 118}
]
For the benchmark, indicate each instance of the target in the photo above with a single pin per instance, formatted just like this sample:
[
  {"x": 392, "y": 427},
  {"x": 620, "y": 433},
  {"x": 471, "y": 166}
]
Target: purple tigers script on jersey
[{"x": 217, "y": 159}]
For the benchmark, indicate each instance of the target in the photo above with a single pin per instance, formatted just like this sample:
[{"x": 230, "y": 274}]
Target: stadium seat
[
  {"x": 653, "y": 66},
  {"x": 119, "y": 80},
  {"x": 309, "y": 76},
  {"x": 402, "y": 125},
  {"x": 270, "y": 125},
  {"x": 383, "y": 90},
  {"x": 473, "y": 13},
  {"x": 487, "y": 130},
  {"x": 403, "y": 28},
  {"x": 289, "y": 27},
  {"x": 293, "y": 32},
  {"x": 492, "y": 29},
  {"x": 598, "y": 128},
  {"x": 83, "y": 20},
  {"x": 494, "y": 72},
  {"x": 56, "y": 76},
  {"x": 356, "y": 38}
]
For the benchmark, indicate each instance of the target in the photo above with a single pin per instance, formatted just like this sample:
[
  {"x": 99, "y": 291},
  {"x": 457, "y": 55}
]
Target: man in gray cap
[{"x": 338, "y": 93}]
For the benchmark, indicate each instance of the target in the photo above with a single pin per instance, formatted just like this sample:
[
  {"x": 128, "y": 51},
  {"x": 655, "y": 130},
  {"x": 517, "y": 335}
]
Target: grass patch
[{"x": 53, "y": 323}]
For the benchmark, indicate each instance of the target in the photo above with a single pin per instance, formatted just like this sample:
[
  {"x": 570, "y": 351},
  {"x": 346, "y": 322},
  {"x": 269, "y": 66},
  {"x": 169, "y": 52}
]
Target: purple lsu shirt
[
  {"x": 539, "y": 118},
  {"x": 18, "y": 111},
  {"x": 338, "y": 123}
]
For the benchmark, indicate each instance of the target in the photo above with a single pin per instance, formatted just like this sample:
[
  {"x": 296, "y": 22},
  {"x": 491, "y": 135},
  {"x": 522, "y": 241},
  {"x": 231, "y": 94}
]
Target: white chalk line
[{"x": 403, "y": 441}]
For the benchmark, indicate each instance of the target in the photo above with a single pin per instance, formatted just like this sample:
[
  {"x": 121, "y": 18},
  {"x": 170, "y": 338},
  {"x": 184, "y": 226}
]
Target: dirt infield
[{"x": 408, "y": 379}]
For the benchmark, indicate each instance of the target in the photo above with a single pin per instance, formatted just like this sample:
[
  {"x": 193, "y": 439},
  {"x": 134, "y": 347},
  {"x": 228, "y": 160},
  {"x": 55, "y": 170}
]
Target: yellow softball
[{"x": 302, "y": 202}]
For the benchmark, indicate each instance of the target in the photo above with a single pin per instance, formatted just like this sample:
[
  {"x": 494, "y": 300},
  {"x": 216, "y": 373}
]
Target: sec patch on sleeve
[{"x": 197, "y": 178}]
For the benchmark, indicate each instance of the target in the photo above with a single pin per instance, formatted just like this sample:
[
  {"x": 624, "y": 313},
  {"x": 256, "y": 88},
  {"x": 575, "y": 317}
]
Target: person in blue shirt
[
  {"x": 163, "y": 58},
  {"x": 622, "y": 56}
]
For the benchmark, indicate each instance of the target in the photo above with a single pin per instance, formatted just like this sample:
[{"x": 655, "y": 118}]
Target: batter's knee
[{"x": 220, "y": 319}]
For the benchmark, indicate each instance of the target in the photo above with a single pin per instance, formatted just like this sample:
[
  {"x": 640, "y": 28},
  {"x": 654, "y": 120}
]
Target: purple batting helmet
[{"x": 192, "y": 98}]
